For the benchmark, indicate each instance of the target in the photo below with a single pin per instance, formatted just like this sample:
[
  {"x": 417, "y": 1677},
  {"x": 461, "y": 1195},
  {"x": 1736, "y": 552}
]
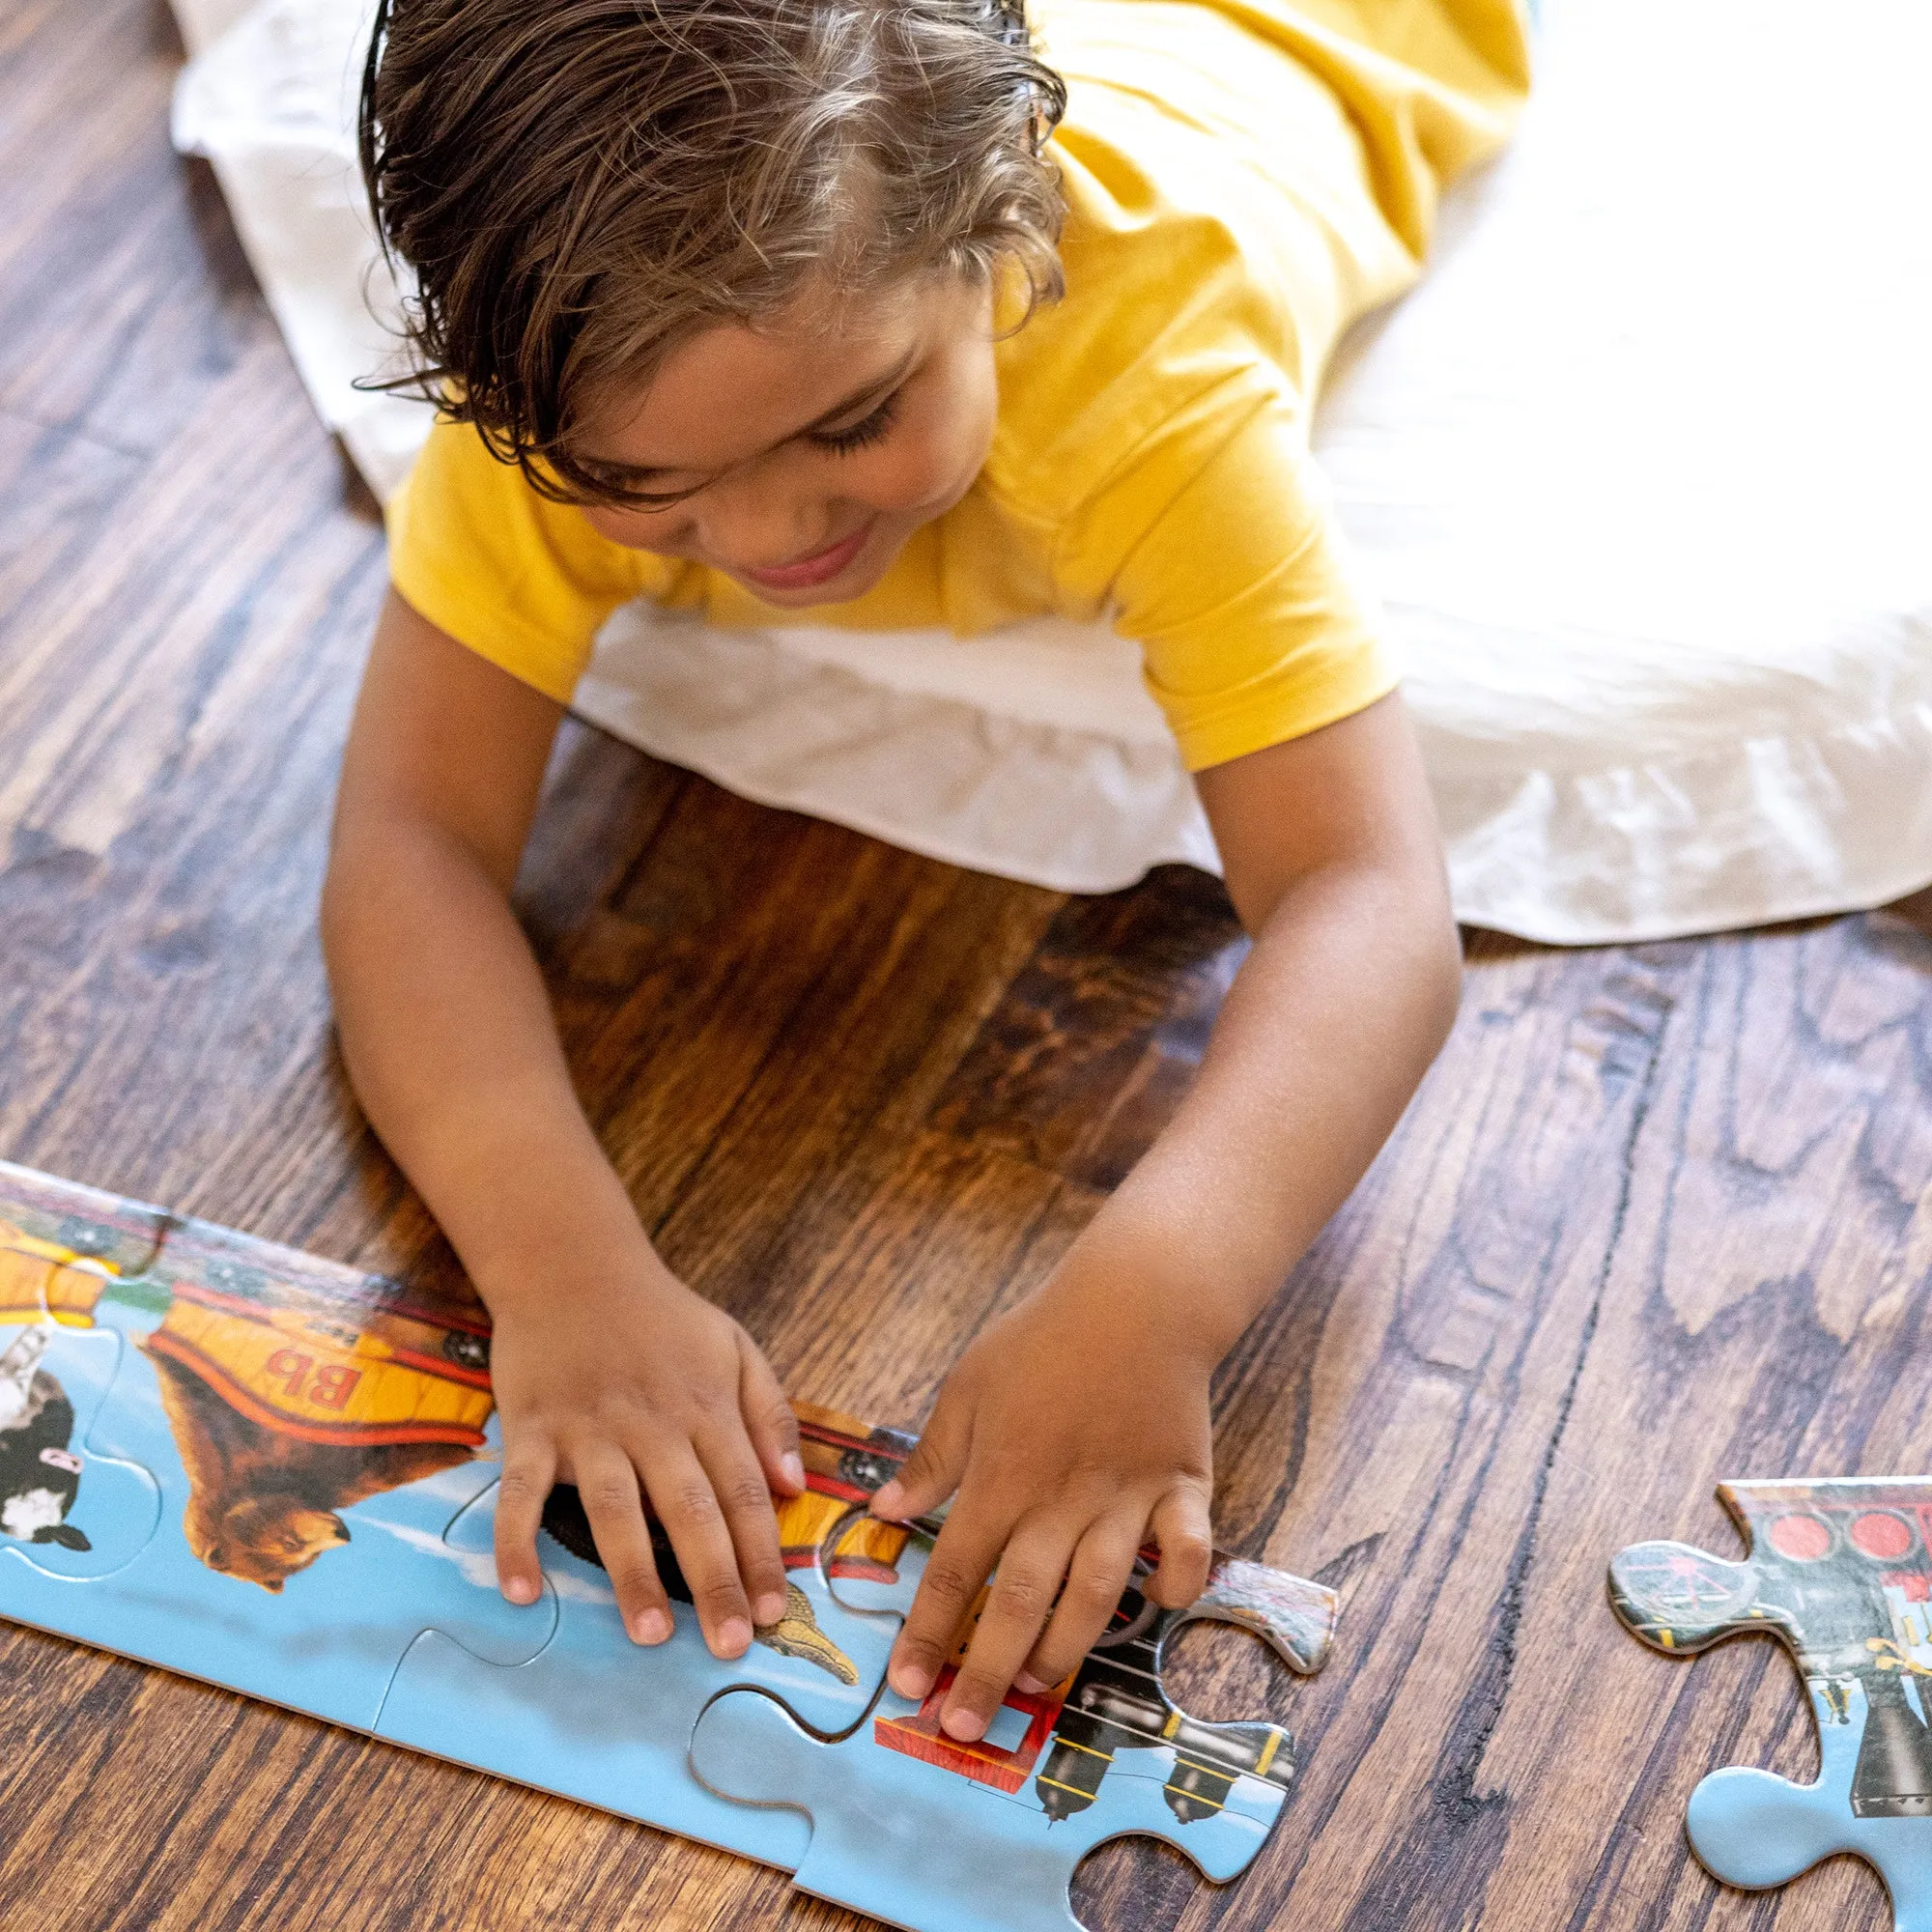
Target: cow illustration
[{"x": 39, "y": 1475}]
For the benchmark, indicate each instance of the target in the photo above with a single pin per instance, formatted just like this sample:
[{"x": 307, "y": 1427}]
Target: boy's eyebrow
[{"x": 891, "y": 380}]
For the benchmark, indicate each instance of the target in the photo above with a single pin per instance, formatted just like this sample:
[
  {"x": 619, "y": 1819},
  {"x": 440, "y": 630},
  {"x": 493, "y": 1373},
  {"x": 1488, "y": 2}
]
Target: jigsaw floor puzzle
[
  {"x": 276, "y": 1473},
  {"x": 1841, "y": 1571}
]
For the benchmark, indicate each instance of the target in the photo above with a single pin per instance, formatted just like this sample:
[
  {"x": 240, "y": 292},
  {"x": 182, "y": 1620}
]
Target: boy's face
[{"x": 801, "y": 454}]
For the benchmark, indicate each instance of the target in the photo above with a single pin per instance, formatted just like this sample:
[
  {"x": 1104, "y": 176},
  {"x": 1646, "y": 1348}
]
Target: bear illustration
[{"x": 285, "y": 1415}]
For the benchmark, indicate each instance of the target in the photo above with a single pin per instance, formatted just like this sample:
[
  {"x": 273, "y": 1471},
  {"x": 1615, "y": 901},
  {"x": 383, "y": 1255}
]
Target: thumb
[
  {"x": 769, "y": 1421},
  {"x": 932, "y": 1472}
]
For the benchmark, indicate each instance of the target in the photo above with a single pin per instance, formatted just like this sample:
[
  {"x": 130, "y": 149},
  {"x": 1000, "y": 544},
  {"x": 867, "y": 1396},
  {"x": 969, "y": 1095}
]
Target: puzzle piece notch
[
  {"x": 1841, "y": 1572},
  {"x": 1294, "y": 1616},
  {"x": 607, "y": 1722}
]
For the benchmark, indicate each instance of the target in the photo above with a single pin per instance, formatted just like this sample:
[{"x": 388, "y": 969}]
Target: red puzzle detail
[{"x": 920, "y": 1736}]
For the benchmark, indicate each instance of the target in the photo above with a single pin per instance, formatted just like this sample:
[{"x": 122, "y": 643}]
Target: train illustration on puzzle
[
  {"x": 1069, "y": 1734},
  {"x": 1114, "y": 1702}
]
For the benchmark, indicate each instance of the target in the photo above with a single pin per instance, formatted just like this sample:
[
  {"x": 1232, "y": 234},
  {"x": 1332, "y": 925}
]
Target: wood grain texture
[{"x": 1661, "y": 1215}]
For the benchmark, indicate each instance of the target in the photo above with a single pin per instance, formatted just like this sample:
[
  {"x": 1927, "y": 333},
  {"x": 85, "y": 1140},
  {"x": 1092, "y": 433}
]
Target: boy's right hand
[{"x": 631, "y": 1387}]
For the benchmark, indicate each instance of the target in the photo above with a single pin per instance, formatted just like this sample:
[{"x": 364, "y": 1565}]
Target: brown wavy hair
[{"x": 576, "y": 185}]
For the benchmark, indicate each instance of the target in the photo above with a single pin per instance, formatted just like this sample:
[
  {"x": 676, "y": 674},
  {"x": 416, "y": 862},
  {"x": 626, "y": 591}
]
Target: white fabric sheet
[{"x": 1642, "y": 471}]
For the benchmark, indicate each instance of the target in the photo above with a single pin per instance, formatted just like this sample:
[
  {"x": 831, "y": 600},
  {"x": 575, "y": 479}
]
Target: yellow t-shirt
[{"x": 1243, "y": 178}]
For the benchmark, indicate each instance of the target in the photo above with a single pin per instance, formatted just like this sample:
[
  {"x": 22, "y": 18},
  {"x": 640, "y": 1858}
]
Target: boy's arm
[
  {"x": 1333, "y": 861},
  {"x": 608, "y": 1371}
]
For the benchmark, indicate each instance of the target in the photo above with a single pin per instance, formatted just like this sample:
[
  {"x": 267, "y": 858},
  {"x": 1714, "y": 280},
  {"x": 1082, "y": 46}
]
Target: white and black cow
[{"x": 39, "y": 1475}]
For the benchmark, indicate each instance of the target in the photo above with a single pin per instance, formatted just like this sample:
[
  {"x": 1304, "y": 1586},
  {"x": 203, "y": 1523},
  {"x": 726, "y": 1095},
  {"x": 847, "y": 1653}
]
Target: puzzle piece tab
[
  {"x": 1753, "y": 1830},
  {"x": 938, "y": 1836},
  {"x": 1841, "y": 1572}
]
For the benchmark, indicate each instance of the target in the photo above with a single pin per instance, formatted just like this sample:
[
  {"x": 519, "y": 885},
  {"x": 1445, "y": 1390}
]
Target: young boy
[{"x": 855, "y": 306}]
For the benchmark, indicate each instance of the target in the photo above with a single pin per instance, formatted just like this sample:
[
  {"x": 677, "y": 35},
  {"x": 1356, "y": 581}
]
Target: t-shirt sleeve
[
  {"x": 1236, "y": 583},
  {"x": 521, "y": 580}
]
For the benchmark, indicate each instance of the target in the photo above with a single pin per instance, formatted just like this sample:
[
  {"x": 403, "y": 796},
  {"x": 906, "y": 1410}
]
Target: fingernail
[
  {"x": 890, "y": 1501},
  {"x": 963, "y": 1725},
  {"x": 520, "y": 1590},
  {"x": 734, "y": 1637},
  {"x": 650, "y": 1626},
  {"x": 910, "y": 1681},
  {"x": 769, "y": 1608},
  {"x": 794, "y": 1469},
  {"x": 1026, "y": 1681}
]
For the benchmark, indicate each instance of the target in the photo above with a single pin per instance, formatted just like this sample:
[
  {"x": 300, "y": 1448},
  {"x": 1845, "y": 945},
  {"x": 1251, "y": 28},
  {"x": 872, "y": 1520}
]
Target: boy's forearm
[
  {"x": 449, "y": 1037},
  {"x": 1332, "y": 1021}
]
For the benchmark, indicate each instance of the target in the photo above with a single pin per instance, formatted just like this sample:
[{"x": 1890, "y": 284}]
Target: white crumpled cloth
[{"x": 1643, "y": 471}]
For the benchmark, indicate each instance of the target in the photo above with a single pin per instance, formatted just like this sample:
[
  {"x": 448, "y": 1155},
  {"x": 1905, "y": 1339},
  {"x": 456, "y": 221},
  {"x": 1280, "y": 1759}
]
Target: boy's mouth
[{"x": 811, "y": 571}]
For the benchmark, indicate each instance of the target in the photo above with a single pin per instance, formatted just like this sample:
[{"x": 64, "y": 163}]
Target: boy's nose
[{"x": 750, "y": 534}]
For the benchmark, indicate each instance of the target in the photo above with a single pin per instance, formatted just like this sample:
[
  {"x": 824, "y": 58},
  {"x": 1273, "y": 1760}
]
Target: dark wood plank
[{"x": 1661, "y": 1215}]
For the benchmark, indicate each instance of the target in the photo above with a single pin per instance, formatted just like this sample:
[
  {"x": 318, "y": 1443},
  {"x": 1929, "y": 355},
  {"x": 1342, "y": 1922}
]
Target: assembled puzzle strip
[{"x": 277, "y": 1473}]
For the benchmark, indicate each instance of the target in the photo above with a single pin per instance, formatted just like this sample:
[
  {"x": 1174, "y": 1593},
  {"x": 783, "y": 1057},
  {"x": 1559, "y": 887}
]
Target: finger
[
  {"x": 767, "y": 1417},
  {"x": 606, "y": 1483},
  {"x": 529, "y": 1468},
  {"x": 958, "y": 1566},
  {"x": 693, "y": 1518},
  {"x": 1017, "y": 1607},
  {"x": 932, "y": 1472},
  {"x": 1185, "y": 1533},
  {"x": 1094, "y": 1580},
  {"x": 739, "y": 1484}
]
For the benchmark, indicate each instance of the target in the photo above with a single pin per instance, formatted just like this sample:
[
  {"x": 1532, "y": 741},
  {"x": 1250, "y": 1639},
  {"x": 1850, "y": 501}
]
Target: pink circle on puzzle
[
  {"x": 1882, "y": 1535},
  {"x": 1801, "y": 1538}
]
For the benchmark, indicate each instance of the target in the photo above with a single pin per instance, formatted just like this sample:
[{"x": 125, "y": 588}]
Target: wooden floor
[{"x": 1661, "y": 1216}]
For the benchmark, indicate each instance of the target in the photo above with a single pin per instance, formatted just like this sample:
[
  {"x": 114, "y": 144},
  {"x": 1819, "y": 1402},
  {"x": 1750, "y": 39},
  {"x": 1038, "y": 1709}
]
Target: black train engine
[{"x": 1116, "y": 1703}]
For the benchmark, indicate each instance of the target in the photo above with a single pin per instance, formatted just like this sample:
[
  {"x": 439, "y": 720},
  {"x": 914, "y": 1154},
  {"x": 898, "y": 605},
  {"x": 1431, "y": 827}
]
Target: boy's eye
[
  {"x": 867, "y": 430},
  {"x": 622, "y": 487}
]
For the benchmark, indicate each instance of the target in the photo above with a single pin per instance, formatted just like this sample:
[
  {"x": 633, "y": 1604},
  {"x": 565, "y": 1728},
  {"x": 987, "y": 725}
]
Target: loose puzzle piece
[
  {"x": 1840, "y": 1571},
  {"x": 939, "y": 1836}
]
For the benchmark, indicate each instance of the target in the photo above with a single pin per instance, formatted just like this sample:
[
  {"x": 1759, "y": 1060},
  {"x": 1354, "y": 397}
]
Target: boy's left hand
[{"x": 1073, "y": 1430}]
